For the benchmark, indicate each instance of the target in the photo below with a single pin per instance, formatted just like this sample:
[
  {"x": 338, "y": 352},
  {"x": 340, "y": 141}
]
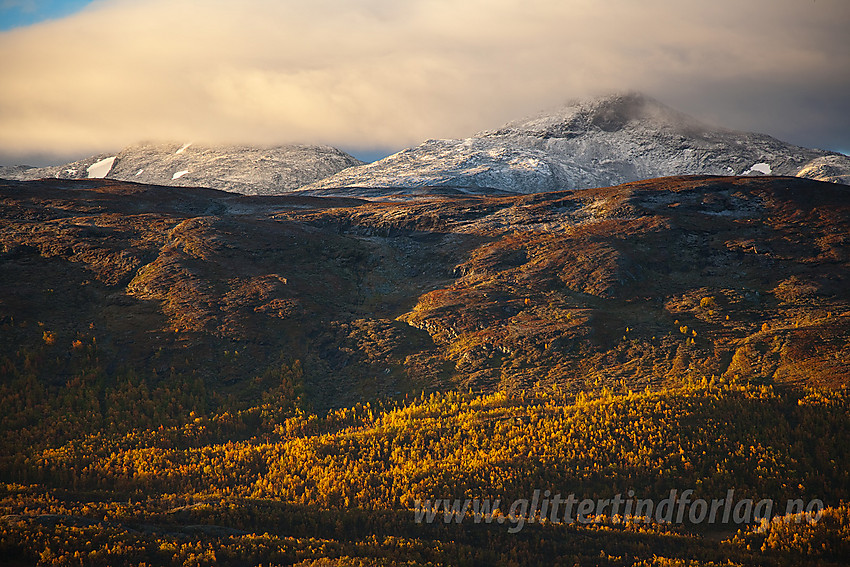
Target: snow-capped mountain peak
[{"x": 589, "y": 143}]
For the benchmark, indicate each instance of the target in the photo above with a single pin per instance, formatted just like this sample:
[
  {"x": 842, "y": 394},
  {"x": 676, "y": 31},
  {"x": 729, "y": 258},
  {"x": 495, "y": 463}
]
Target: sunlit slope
[
  {"x": 643, "y": 284},
  {"x": 250, "y": 488}
]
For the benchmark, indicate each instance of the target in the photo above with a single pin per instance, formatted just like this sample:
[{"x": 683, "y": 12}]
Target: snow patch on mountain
[
  {"x": 763, "y": 168},
  {"x": 99, "y": 169}
]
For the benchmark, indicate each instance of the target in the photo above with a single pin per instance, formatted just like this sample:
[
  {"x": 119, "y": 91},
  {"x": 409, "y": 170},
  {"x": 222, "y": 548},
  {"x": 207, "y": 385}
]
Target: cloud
[{"x": 383, "y": 73}]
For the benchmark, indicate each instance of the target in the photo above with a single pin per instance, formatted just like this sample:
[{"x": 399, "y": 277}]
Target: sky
[
  {"x": 375, "y": 76},
  {"x": 17, "y": 13}
]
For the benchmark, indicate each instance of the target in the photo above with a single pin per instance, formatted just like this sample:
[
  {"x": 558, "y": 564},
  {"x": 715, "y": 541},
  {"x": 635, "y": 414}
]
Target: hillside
[
  {"x": 588, "y": 143},
  {"x": 241, "y": 169},
  {"x": 198, "y": 377},
  {"x": 246, "y": 488},
  {"x": 644, "y": 282}
]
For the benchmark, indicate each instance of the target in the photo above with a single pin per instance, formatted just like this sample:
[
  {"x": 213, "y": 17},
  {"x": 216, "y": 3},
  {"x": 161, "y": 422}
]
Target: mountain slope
[
  {"x": 645, "y": 282},
  {"x": 594, "y": 143},
  {"x": 241, "y": 169}
]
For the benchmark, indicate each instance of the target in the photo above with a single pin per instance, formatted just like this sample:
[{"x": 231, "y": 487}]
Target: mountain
[
  {"x": 241, "y": 169},
  {"x": 592, "y": 143}
]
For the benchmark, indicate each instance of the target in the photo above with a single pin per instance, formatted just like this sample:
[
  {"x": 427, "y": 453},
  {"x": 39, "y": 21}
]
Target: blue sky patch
[{"x": 20, "y": 13}]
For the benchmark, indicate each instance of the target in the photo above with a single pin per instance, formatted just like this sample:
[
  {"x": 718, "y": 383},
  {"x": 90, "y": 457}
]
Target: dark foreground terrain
[{"x": 193, "y": 377}]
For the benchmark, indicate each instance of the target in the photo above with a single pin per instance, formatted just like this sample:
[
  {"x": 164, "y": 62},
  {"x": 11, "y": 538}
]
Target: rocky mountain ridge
[
  {"x": 592, "y": 143},
  {"x": 587, "y": 143},
  {"x": 249, "y": 170}
]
